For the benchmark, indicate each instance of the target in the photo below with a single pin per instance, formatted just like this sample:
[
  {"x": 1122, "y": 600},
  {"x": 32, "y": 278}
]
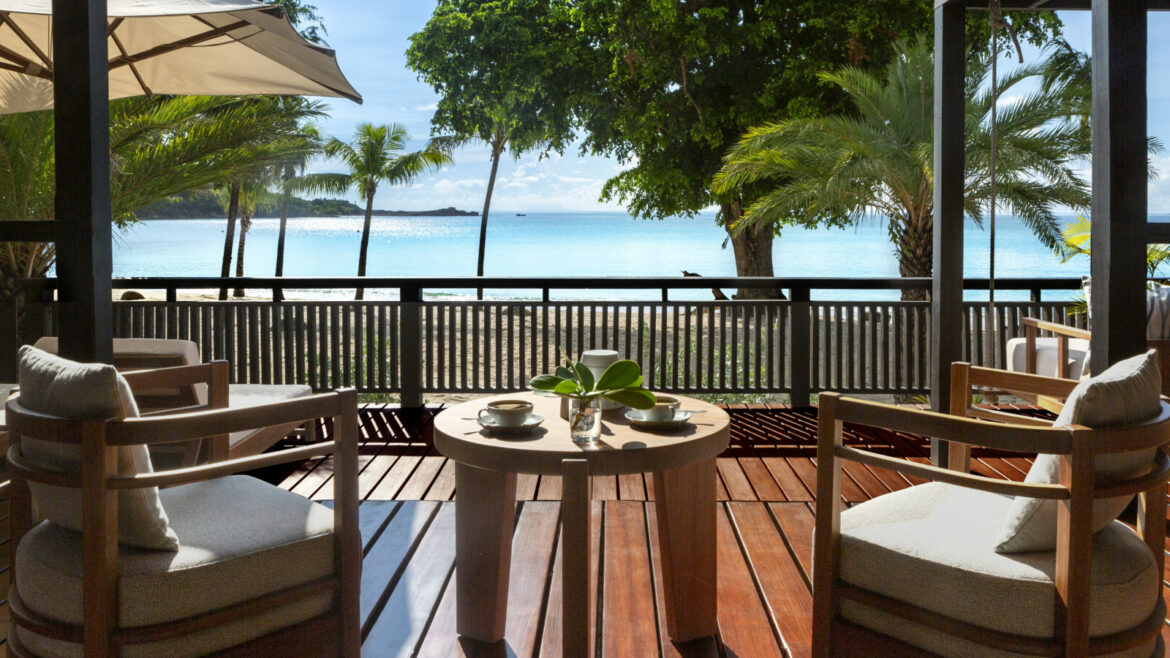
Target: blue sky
[{"x": 371, "y": 37}]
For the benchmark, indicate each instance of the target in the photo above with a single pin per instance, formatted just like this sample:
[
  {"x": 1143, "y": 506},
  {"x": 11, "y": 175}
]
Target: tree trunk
[
  {"x": 233, "y": 209},
  {"x": 245, "y": 224},
  {"x": 365, "y": 240},
  {"x": 914, "y": 241},
  {"x": 753, "y": 253},
  {"x": 497, "y": 149},
  {"x": 278, "y": 295}
]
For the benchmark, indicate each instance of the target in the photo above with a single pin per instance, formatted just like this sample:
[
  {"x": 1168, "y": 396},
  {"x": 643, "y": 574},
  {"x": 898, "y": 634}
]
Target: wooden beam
[
  {"x": 946, "y": 319},
  {"x": 33, "y": 231},
  {"x": 1158, "y": 233},
  {"x": 1042, "y": 5},
  {"x": 1120, "y": 179},
  {"x": 81, "y": 121}
]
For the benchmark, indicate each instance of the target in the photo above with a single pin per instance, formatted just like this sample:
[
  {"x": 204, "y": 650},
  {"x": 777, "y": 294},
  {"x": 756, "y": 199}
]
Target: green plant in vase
[{"x": 621, "y": 382}]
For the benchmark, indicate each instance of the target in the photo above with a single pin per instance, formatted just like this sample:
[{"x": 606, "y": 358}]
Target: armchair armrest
[
  {"x": 214, "y": 375},
  {"x": 185, "y": 426}
]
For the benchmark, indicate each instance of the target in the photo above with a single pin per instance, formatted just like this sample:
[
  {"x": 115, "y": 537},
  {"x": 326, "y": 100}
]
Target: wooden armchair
[
  {"x": 258, "y": 570},
  {"x": 916, "y": 573},
  {"x": 1065, "y": 353}
]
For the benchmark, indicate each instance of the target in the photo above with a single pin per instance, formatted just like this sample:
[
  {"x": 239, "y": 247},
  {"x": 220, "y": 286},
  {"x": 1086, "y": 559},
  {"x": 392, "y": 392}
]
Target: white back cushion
[
  {"x": 1126, "y": 393},
  {"x": 56, "y": 386}
]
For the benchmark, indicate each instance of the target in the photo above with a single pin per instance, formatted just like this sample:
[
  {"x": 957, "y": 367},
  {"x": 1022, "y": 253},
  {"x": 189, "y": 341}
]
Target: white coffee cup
[
  {"x": 506, "y": 413},
  {"x": 664, "y": 410}
]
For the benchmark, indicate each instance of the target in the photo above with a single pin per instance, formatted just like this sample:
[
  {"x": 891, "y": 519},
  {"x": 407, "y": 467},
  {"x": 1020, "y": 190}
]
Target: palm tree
[
  {"x": 246, "y": 197},
  {"x": 838, "y": 170},
  {"x": 159, "y": 147},
  {"x": 377, "y": 154},
  {"x": 281, "y": 135},
  {"x": 288, "y": 172}
]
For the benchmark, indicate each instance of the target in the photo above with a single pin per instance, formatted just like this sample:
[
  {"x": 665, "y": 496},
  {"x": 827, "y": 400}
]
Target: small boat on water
[{"x": 520, "y": 214}]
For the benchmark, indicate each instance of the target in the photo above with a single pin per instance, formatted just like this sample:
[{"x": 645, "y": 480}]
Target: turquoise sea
[{"x": 556, "y": 244}]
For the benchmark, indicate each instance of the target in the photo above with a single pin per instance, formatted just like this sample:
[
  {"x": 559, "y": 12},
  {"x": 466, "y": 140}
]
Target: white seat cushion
[
  {"x": 1078, "y": 350},
  {"x": 240, "y": 538},
  {"x": 933, "y": 545}
]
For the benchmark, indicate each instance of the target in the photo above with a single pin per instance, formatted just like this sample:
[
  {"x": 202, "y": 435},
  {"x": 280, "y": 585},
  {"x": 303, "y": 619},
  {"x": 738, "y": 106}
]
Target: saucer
[
  {"x": 635, "y": 418},
  {"x": 529, "y": 423}
]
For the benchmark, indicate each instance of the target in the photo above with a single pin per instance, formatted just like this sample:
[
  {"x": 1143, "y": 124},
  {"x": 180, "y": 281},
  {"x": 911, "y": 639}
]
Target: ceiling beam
[{"x": 1015, "y": 5}]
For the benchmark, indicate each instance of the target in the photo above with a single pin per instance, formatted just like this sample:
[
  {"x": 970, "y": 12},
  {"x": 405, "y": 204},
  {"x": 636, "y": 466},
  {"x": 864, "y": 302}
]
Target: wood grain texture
[
  {"x": 485, "y": 513},
  {"x": 622, "y": 448},
  {"x": 627, "y": 628},
  {"x": 576, "y": 601},
  {"x": 685, "y": 512},
  {"x": 785, "y": 592}
]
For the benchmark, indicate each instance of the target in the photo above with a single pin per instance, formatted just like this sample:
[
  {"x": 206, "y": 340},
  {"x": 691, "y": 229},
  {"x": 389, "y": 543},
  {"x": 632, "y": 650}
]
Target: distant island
[{"x": 199, "y": 205}]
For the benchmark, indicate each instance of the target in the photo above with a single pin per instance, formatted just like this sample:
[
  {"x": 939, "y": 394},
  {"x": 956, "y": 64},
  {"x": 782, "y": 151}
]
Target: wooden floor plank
[
  {"x": 423, "y": 476},
  {"x": 738, "y": 487},
  {"x": 796, "y": 520},
  {"x": 787, "y": 598},
  {"x": 550, "y": 643},
  {"x": 791, "y": 485},
  {"x": 629, "y": 627},
  {"x": 760, "y": 478},
  {"x": 744, "y": 627},
  {"x": 533, "y": 550},
  {"x": 384, "y": 562},
  {"x": 399, "y": 626},
  {"x": 371, "y": 517},
  {"x": 443, "y": 487},
  {"x": 394, "y": 479}
]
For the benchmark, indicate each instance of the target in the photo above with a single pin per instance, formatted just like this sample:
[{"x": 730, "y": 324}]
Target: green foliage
[
  {"x": 621, "y": 382},
  {"x": 159, "y": 147},
  {"x": 679, "y": 82},
  {"x": 878, "y": 157},
  {"x": 377, "y": 154},
  {"x": 1075, "y": 240},
  {"x": 502, "y": 69}
]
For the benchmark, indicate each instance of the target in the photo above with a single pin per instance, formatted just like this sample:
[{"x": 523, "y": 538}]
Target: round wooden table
[{"x": 682, "y": 461}]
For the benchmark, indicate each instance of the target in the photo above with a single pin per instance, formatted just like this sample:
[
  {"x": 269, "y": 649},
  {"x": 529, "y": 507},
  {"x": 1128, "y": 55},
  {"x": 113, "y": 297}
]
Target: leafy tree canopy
[
  {"x": 503, "y": 69},
  {"x": 683, "y": 80}
]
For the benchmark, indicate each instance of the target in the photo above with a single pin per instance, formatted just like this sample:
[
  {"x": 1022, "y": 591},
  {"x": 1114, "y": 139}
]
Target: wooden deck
[{"x": 766, "y": 489}]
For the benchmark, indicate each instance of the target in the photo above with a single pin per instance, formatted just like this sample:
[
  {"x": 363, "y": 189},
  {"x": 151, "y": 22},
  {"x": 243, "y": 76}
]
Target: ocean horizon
[{"x": 561, "y": 244}]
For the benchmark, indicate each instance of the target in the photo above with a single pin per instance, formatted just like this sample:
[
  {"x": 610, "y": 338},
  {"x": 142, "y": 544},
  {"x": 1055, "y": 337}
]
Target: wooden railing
[{"x": 411, "y": 346}]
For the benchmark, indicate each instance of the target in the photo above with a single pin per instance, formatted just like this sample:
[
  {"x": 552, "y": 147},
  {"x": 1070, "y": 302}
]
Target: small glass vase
[{"x": 584, "y": 420}]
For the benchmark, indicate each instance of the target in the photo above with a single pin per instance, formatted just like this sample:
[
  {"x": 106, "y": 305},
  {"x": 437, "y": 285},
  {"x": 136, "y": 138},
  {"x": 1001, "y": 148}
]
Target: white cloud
[{"x": 429, "y": 107}]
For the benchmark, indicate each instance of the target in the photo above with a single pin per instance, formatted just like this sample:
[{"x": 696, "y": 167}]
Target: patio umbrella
[{"x": 212, "y": 47}]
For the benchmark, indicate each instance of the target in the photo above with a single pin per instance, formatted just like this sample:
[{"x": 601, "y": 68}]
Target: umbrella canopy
[{"x": 212, "y": 47}]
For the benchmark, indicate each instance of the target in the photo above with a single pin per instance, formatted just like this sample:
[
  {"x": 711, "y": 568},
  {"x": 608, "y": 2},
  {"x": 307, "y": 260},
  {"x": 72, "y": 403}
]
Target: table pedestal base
[{"x": 484, "y": 519}]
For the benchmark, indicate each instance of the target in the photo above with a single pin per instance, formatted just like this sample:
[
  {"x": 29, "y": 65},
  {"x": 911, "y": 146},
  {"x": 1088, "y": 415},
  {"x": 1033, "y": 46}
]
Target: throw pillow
[
  {"x": 56, "y": 386},
  {"x": 1126, "y": 393}
]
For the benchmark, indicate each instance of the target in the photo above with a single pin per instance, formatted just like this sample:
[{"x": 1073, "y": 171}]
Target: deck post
[
  {"x": 412, "y": 345},
  {"x": 800, "y": 394},
  {"x": 1120, "y": 179},
  {"x": 82, "y": 207},
  {"x": 946, "y": 300}
]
